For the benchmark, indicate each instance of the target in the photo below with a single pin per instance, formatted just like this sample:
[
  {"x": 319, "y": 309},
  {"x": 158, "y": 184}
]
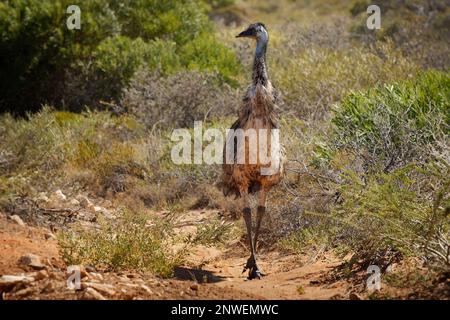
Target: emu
[{"x": 257, "y": 112}]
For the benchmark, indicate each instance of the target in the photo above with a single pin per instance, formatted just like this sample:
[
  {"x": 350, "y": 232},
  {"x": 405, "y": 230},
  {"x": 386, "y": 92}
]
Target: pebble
[
  {"x": 24, "y": 292},
  {"x": 42, "y": 274},
  {"x": 102, "y": 288},
  {"x": 32, "y": 260},
  {"x": 49, "y": 236},
  {"x": 7, "y": 281},
  {"x": 354, "y": 296},
  {"x": 93, "y": 294},
  {"x": 17, "y": 220},
  {"x": 60, "y": 195},
  {"x": 90, "y": 268},
  {"x": 147, "y": 289},
  {"x": 194, "y": 287}
]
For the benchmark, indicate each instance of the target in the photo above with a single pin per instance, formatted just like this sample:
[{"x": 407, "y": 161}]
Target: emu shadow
[{"x": 201, "y": 276}]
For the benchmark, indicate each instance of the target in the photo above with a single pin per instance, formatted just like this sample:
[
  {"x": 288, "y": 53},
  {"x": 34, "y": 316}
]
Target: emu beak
[{"x": 249, "y": 33}]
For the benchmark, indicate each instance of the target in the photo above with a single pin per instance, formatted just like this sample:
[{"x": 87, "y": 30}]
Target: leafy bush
[
  {"x": 74, "y": 68},
  {"x": 378, "y": 186},
  {"x": 203, "y": 53},
  {"x": 394, "y": 124},
  {"x": 37, "y": 48}
]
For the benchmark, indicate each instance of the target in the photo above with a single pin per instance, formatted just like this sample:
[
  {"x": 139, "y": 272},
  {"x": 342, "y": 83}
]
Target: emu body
[{"x": 257, "y": 112}]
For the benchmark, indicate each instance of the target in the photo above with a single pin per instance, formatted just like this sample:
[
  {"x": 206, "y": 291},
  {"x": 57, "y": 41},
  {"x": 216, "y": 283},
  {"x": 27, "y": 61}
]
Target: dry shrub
[
  {"x": 315, "y": 78},
  {"x": 130, "y": 242},
  {"x": 178, "y": 100},
  {"x": 420, "y": 29}
]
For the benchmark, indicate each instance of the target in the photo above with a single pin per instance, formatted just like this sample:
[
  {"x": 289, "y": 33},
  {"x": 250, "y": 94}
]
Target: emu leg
[
  {"x": 259, "y": 216},
  {"x": 251, "y": 262}
]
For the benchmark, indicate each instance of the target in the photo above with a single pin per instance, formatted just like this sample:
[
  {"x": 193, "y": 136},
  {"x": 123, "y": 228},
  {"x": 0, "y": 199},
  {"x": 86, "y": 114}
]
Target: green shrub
[
  {"x": 205, "y": 53},
  {"x": 391, "y": 125},
  {"x": 37, "y": 29},
  {"x": 74, "y": 68}
]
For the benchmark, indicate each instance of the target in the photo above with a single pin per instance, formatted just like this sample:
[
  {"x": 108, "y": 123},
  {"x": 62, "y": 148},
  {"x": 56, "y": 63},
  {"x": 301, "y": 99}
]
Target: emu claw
[{"x": 254, "y": 271}]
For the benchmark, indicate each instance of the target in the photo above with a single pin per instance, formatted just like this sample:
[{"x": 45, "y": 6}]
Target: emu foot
[{"x": 253, "y": 270}]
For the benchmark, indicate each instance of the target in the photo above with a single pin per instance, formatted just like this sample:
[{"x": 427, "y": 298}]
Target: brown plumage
[{"x": 257, "y": 112}]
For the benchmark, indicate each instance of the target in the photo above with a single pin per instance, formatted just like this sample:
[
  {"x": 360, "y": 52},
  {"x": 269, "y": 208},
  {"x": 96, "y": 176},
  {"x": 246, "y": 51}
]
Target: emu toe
[
  {"x": 255, "y": 273},
  {"x": 253, "y": 270}
]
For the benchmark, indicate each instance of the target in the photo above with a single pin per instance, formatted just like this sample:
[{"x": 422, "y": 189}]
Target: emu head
[{"x": 255, "y": 31}]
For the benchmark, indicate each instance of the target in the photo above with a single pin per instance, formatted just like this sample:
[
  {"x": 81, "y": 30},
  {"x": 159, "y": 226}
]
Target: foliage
[
  {"x": 213, "y": 233},
  {"x": 74, "y": 68},
  {"x": 129, "y": 243},
  {"x": 391, "y": 125},
  {"x": 315, "y": 72}
]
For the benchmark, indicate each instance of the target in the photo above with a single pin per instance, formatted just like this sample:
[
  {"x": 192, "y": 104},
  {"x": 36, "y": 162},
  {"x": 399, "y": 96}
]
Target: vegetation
[
  {"x": 74, "y": 68},
  {"x": 127, "y": 243},
  {"x": 365, "y": 123},
  {"x": 387, "y": 162}
]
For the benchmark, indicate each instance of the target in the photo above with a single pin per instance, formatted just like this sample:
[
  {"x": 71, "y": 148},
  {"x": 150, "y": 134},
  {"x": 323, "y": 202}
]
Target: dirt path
[
  {"x": 287, "y": 276},
  {"x": 210, "y": 272}
]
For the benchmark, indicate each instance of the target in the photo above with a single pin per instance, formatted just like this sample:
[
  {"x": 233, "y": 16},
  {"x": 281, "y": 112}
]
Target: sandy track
[{"x": 210, "y": 272}]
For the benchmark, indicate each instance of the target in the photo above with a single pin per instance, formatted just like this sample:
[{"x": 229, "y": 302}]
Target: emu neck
[{"x": 259, "y": 65}]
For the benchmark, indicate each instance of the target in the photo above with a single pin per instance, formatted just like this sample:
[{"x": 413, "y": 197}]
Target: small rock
[
  {"x": 60, "y": 196},
  {"x": 90, "y": 268},
  {"x": 92, "y": 294},
  {"x": 49, "y": 288},
  {"x": 147, "y": 289},
  {"x": 95, "y": 276},
  {"x": 17, "y": 220},
  {"x": 354, "y": 296},
  {"x": 74, "y": 202},
  {"x": 194, "y": 287},
  {"x": 24, "y": 292},
  {"x": 42, "y": 274},
  {"x": 49, "y": 236},
  {"x": 42, "y": 197},
  {"x": 102, "y": 288},
  {"x": 84, "y": 201},
  {"x": 32, "y": 260},
  {"x": 8, "y": 281}
]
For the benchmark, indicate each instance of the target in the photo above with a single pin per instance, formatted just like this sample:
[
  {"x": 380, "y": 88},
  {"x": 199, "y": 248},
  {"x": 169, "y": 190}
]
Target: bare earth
[{"x": 210, "y": 272}]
